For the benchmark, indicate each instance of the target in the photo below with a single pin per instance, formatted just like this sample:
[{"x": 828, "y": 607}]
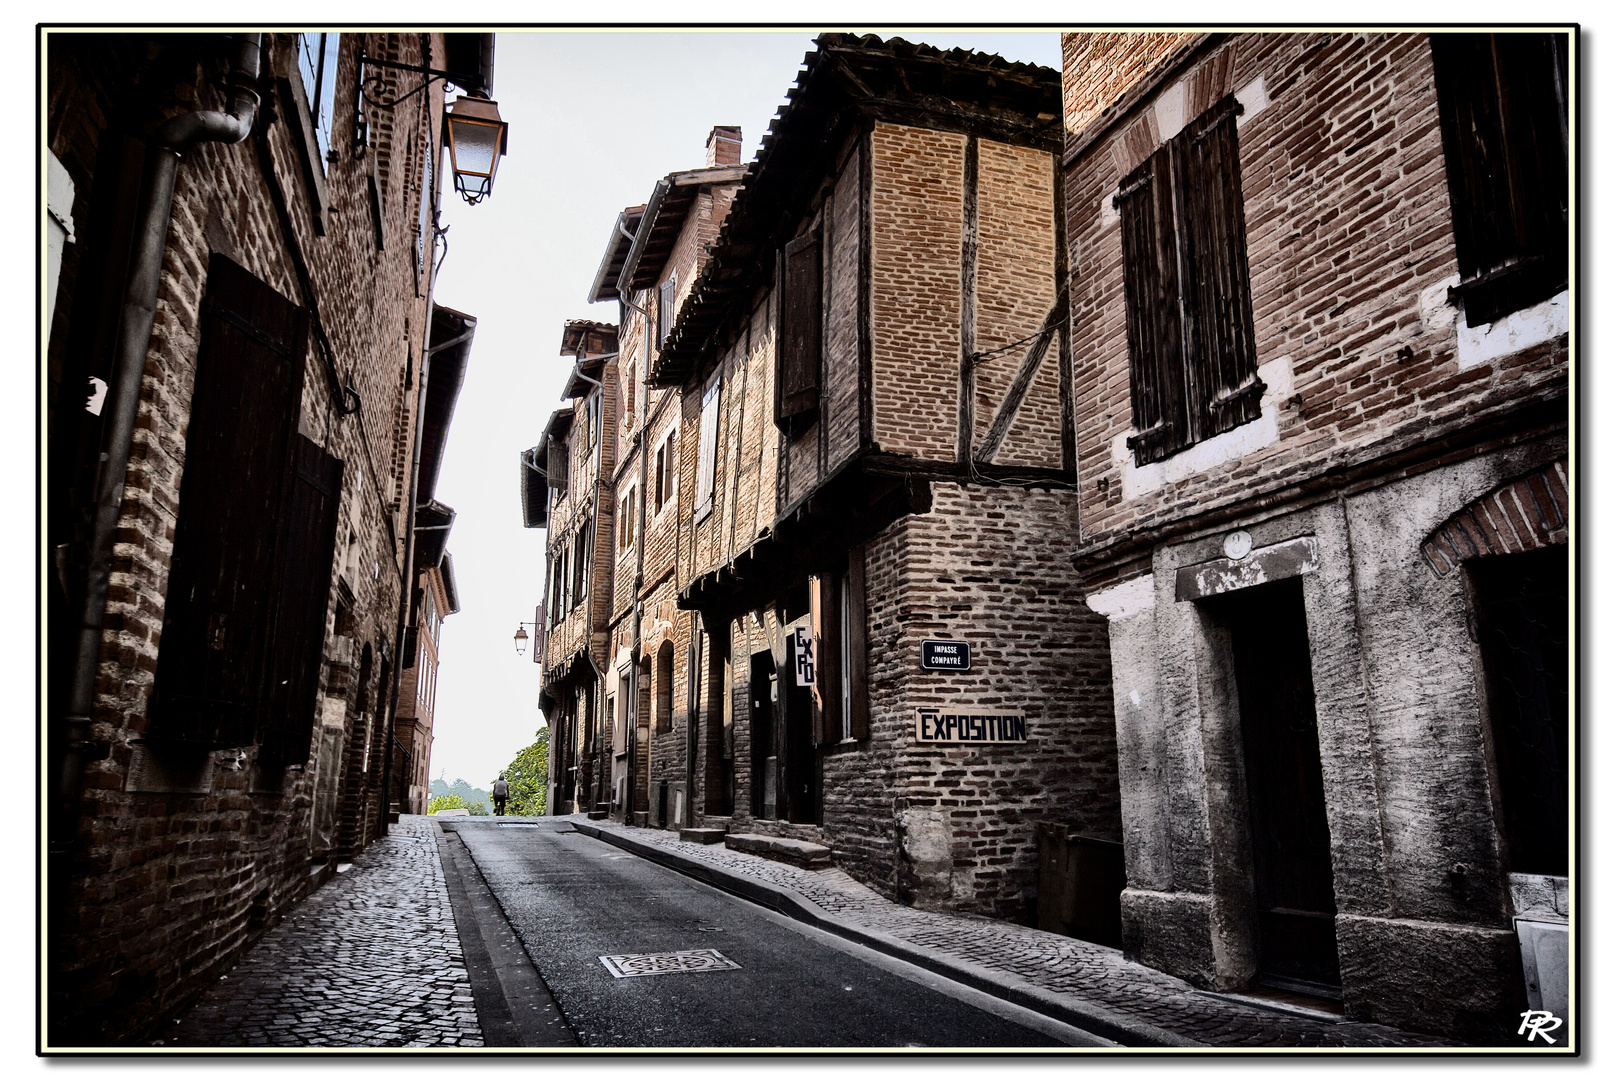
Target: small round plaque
[{"x": 1237, "y": 545}]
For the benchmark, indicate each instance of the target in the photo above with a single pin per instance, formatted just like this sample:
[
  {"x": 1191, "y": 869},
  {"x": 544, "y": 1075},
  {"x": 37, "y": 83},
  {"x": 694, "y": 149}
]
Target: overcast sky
[{"x": 596, "y": 119}]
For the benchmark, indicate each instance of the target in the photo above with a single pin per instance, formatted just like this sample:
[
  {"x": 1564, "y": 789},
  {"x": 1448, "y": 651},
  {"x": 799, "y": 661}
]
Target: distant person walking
[{"x": 502, "y": 791}]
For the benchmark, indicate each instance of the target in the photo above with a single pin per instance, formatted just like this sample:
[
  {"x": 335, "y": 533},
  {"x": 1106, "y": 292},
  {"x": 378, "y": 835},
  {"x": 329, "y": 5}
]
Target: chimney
[{"x": 724, "y": 146}]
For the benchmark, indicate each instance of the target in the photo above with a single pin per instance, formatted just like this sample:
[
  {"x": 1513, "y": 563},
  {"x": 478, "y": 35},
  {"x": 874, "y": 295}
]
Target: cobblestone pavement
[
  {"x": 1079, "y": 970},
  {"x": 370, "y": 959}
]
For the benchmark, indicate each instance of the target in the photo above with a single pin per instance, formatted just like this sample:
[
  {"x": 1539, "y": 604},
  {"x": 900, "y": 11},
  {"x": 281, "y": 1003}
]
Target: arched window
[{"x": 664, "y": 687}]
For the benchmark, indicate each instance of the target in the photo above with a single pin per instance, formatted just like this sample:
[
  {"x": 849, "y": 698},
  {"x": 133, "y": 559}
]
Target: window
[
  {"x": 625, "y": 522},
  {"x": 1502, "y": 103},
  {"x": 628, "y": 396},
  {"x": 1191, "y": 348},
  {"x": 797, "y": 375},
  {"x": 664, "y": 687},
  {"x": 706, "y": 460},
  {"x": 665, "y": 467},
  {"x": 580, "y": 562},
  {"x": 317, "y": 64},
  {"x": 592, "y": 410},
  {"x": 665, "y": 309},
  {"x": 557, "y": 465}
]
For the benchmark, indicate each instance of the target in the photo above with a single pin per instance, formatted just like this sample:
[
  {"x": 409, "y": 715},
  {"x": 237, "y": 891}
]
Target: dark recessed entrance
[
  {"x": 1521, "y": 612},
  {"x": 763, "y": 688},
  {"x": 1294, "y": 888}
]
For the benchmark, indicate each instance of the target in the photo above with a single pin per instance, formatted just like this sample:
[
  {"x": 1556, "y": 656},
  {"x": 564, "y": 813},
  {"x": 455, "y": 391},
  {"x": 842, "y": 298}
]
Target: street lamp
[
  {"x": 473, "y": 130},
  {"x": 476, "y": 138},
  {"x": 522, "y": 635}
]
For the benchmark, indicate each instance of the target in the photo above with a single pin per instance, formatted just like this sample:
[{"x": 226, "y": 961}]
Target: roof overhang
[
  {"x": 535, "y": 489},
  {"x": 560, "y": 424},
  {"x": 444, "y": 376},
  {"x": 585, "y": 377},
  {"x": 433, "y": 520},
  {"x": 584, "y": 337},
  {"x": 611, "y": 264},
  {"x": 450, "y": 591},
  {"x": 664, "y": 219}
]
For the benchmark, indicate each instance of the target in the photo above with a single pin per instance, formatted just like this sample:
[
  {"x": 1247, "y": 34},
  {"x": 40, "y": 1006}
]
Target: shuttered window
[
  {"x": 797, "y": 377},
  {"x": 557, "y": 466},
  {"x": 707, "y": 454},
  {"x": 1502, "y": 103},
  {"x": 665, "y": 310},
  {"x": 1191, "y": 346},
  {"x": 254, "y": 538},
  {"x": 580, "y": 564}
]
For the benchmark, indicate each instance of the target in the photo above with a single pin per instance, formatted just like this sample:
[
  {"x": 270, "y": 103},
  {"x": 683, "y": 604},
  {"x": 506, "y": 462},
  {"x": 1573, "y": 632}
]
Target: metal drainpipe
[
  {"x": 176, "y": 136},
  {"x": 406, "y": 600}
]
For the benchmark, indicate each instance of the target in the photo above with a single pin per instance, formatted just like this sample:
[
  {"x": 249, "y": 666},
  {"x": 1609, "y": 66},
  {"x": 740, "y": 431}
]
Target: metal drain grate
[{"x": 683, "y": 962}]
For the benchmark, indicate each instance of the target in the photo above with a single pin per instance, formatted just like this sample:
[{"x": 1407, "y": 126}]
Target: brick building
[
  {"x": 567, "y": 490},
  {"x": 240, "y": 336},
  {"x": 874, "y": 374},
  {"x": 1320, "y": 316}
]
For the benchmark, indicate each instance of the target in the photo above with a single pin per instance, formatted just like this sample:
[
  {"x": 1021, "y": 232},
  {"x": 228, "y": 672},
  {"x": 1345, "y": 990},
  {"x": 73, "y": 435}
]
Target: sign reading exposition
[
  {"x": 942, "y": 655},
  {"x": 955, "y": 725}
]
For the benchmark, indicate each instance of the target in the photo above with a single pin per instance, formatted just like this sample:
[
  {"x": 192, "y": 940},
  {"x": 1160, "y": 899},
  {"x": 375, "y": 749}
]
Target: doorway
[
  {"x": 1522, "y": 618},
  {"x": 1292, "y": 876},
  {"x": 763, "y": 689}
]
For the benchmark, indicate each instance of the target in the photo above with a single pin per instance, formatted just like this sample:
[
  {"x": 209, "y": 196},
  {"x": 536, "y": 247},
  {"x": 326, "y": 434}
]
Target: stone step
[
  {"x": 797, "y": 852},
  {"x": 703, "y": 836},
  {"x": 598, "y": 815}
]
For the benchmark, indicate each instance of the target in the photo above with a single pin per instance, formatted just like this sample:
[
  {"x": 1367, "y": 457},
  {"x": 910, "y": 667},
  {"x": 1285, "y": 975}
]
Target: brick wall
[
  {"x": 170, "y": 880},
  {"x": 1350, "y": 246},
  {"x": 988, "y": 565},
  {"x": 1098, "y": 68},
  {"x": 916, "y": 203}
]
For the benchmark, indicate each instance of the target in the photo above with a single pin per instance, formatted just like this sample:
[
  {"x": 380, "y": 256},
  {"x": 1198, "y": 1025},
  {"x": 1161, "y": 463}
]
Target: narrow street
[{"x": 574, "y": 900}]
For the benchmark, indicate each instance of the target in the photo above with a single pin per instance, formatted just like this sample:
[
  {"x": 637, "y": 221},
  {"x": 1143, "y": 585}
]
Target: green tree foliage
[
  {"x": 474, "y": 799},
  {"x": 445, "y": 802},
  {"x": 528, "y": 774}
]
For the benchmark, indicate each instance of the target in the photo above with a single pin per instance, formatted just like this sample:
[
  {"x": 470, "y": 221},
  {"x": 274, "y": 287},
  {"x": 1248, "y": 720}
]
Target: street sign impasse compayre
[
  {"x": 945, "y": 655},
  {"x": 954, "y": 724}
]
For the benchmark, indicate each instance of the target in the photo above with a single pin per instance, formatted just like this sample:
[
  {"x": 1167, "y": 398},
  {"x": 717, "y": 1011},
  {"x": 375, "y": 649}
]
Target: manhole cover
[{"x": 685, "y": 961}]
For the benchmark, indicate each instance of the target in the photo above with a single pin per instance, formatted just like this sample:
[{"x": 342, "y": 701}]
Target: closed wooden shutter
[
  {"x": 219, "y": 606},
  {"x": 1501, "y": 99},
  {"x": 665, "y": 312},
  {"x": 557, "y": 467},
  {"x": 303, "y": 595},
  {"x": 1155, "y": 322},
  {"x": 1220, "y": 351},
  {"x": 707, "y": 455},
  {"x": 797, "y": 384}
]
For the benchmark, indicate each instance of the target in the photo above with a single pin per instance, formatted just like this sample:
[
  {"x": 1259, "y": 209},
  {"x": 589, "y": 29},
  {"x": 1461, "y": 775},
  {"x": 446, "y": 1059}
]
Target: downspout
[
  {"x": 639, "y": 582},
  {"x": 406, "y": 600},
  {"x": 173, "y": 139}
]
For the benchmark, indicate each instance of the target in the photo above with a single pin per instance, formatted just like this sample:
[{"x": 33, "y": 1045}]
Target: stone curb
[{"x": 1096, "y": 1019}]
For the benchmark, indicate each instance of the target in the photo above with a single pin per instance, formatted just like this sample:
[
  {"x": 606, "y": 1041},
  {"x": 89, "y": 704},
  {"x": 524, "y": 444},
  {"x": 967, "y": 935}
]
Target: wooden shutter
[
  {"x": 249, "y": 388},
  {"x": 707, "y": 456},
  {"x": 556, "y": 466},
  {"x": 1220, "y": 353},
  {"x": 302, "y": 598},
  {"x": 824, "y": 621},
  {"x": 1501, "y": 100},
  {"x": 1155, "y": 322},
  {"x": 665, "y": 312},
  {"x": 797, "y": 378}
]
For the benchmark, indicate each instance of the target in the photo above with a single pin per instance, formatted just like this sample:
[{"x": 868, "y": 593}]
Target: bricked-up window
[
  {"x": 254, "y": 537},
  {"x": 664, "y": 687},
  {"x": 797, "y": 376},
  {"x": 665, "y": 312},
  {"x": 707, "y": 453},
  {"x": 1502, "y": 103},
  {"x": 1191, "y": 347}
]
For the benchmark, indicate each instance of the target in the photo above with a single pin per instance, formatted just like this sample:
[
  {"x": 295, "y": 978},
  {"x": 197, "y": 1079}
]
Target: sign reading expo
[
  {"x": 952, "y": 725},
  {"x": 938, "y": 655}
]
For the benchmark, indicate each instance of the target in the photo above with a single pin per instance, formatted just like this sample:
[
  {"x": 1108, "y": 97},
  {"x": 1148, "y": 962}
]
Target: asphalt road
[{"x": 573, "y": 900}]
